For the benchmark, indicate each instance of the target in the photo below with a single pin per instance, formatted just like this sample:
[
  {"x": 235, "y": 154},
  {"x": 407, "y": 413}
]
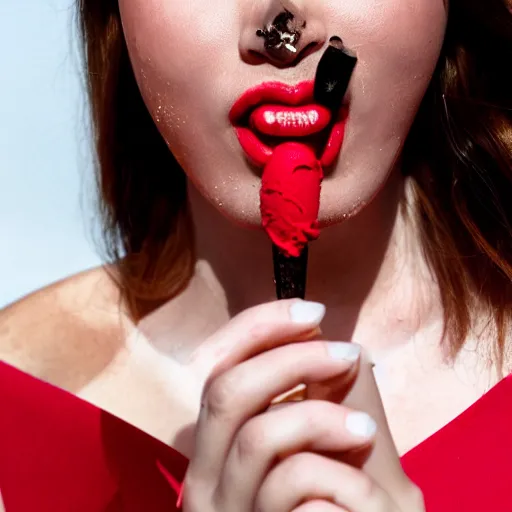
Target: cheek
[
  {"x": 408, "y": 25},
  {"x": 398, "y": 43},
  {"x": 171, "y": 31},
  {"x": 170, "y": 45}
]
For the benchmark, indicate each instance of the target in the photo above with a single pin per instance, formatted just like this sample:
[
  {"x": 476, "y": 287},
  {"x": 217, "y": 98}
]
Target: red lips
[{"x": 288, "y": 112}]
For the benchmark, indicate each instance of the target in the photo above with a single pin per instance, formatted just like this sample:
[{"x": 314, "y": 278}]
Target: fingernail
[
  {"x": 304, "y": 312},
  {"x": 341, "y": 350},
  {"x": 360, "y": 424}
]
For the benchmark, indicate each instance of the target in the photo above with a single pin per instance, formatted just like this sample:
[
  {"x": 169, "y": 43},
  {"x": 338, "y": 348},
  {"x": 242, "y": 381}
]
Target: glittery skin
[{"x": 397, "y": 42}]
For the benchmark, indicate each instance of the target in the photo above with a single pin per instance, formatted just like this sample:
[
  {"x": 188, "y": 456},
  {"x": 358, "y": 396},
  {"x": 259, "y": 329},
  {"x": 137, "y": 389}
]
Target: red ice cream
[{"x": 290, "y": 197}]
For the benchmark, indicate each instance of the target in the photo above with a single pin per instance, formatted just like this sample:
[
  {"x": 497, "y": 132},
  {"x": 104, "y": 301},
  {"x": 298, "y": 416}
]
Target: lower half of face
[{"x": 191, "y": 68}]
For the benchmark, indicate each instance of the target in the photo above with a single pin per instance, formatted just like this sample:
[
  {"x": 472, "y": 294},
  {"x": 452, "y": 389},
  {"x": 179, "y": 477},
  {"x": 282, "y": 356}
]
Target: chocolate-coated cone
[{"x": 290, "y": 274}]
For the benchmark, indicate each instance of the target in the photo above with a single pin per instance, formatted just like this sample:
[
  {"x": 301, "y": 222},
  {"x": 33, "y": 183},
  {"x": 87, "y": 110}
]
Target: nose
[{"x": 281, "y": 33}]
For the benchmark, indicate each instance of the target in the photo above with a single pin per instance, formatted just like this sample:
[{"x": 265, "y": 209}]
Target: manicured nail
[
  {"x": 304, "y": 312},
  {"x": 360, "y": 424},
  {"x": 341, "y": 350}
]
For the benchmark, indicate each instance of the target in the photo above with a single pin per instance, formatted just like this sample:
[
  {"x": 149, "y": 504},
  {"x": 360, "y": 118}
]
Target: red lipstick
[
  {"x": 272, "y": 92},
  {"x": 286, "y": 113}
]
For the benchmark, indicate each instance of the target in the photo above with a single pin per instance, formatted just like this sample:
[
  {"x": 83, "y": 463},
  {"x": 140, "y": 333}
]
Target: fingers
[
  {"x": 304, "y": 426},
  {"x": 247, "y": 389},
  {"x": 296, "y": 480},
  {"x": 384, "y": 463},
  {"x": 255, "y": 330},
  {"x": 364, "y": 395}
]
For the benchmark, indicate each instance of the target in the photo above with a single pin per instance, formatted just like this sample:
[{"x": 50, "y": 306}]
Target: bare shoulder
[{"x": 65, "y": 333}]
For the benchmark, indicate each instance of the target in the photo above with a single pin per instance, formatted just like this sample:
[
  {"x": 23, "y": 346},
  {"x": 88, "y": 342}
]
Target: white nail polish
[
  {"x": 304, "y": 312},
  {"x": 343, "y": 351},
  {"x": 360, "y": 424}
]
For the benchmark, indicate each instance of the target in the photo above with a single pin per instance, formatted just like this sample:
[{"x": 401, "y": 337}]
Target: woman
[{"x": 413, "y": 264}]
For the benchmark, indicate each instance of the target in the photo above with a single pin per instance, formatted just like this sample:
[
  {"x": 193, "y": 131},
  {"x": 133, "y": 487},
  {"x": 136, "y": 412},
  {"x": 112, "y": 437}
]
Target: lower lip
[{"x": 260, "y": 153}]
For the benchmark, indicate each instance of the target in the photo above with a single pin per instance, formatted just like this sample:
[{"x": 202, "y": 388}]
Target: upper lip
[{"x": 271, "y": 93}]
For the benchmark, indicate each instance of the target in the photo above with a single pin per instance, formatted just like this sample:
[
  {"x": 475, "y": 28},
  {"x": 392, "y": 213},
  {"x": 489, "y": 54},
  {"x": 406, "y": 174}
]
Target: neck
[{"x": 369, "y": 271}]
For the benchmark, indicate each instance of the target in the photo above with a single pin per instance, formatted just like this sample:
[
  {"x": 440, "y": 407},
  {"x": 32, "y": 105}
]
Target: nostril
[
  {"x": 254, "y": 57},
  {"x": 309, "y": 49}
]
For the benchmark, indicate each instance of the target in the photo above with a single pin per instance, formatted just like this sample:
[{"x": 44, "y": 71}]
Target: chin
[
  {"x": 356, "y": 181},
  {"x": 349, "y": 186}
]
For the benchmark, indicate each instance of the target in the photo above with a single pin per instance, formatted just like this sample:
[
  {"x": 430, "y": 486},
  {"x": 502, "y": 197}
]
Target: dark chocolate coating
[
  {"x": 290, "y": 274},
  {"x": 284, "y": 29},
  {"x": 333, "y": 74}
]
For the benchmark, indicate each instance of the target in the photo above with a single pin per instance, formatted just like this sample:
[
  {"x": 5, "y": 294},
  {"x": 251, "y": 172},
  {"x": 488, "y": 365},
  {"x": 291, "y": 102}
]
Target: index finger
[{"x": 256, "y": 330}]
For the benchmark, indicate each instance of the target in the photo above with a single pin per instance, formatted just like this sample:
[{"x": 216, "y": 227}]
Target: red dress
[{"x": 61, "y": 454}]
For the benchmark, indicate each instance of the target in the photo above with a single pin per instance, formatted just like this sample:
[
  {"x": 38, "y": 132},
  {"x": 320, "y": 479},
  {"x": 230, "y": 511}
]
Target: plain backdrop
[{"x": 46, "y": 204}]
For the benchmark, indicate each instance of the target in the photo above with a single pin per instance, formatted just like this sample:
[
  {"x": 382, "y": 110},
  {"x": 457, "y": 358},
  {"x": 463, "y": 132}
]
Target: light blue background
[{"x": 46, "y": 201}]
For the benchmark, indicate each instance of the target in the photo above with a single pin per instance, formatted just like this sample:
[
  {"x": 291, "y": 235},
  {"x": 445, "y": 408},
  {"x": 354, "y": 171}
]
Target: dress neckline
[{"x": 461, "y": 417}]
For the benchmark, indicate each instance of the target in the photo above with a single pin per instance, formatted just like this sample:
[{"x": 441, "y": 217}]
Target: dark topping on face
[
  {"x": 283, "y": 33},
  {"x": 333, "y": 74},
  {"x": 336, "y": 42}
]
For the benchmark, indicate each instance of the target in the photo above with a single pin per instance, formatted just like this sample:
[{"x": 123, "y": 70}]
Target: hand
[
  {"x": 249, "y": 457},
  {"x": 383, "y": 477}
]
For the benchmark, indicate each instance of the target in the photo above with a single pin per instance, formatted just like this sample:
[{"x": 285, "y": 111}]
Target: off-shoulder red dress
[{"x": 61, "y": 454}]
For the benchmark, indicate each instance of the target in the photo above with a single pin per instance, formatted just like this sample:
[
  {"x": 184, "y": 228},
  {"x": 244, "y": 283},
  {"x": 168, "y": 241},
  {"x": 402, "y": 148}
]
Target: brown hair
[
  {"x": 142, "y": 190},
  {"x": 463, "y": 133},
  {"x": 460, "y": 154}
]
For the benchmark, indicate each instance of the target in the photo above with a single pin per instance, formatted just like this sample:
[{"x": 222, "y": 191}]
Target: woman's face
[{"x": 193, "y": 59}]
